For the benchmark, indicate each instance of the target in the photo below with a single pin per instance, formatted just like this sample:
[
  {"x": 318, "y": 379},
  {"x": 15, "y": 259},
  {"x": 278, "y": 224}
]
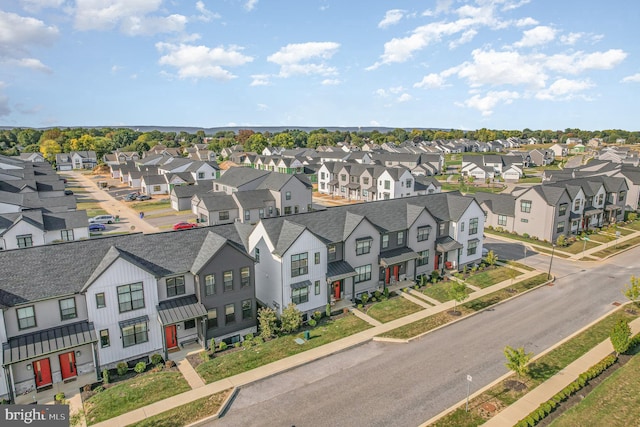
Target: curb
[
  {"x": 221, "y": 411},
  {"x": 508, "y": 374}
]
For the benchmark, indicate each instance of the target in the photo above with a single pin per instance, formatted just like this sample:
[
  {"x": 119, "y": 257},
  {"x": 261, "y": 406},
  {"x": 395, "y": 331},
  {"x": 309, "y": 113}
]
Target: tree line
[{"x": 104, "y": 140}]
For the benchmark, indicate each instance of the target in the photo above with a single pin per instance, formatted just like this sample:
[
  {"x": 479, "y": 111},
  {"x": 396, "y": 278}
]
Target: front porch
[
  {"x": 182, "y": 320},
  {"x": 46, "y": 396}
]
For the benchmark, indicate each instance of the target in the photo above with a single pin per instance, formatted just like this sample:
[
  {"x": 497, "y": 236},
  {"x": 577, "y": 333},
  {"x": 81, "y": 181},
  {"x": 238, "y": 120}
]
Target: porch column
[
  {"x": 95, "y": 361},
  {"x": 353, "y": 289}
]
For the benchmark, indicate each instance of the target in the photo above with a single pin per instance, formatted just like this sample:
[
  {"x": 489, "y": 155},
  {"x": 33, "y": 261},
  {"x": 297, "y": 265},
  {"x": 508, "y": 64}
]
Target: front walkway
[
  {"x": 545, "y": 391},
  {"x": 185, "y": 368}
]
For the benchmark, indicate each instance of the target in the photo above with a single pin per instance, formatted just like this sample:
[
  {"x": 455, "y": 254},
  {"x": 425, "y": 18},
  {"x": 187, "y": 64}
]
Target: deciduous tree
[
  {"x": 457, "y": 292},
  {"x": 291, "y": 319},
  {"x": 517, "y": 360},
  {"x": 620, "y": 336},
  {"x": 49, "y": 149},
  {"x": 267, "y": 322},
  {"x": 632, "y": 290}
]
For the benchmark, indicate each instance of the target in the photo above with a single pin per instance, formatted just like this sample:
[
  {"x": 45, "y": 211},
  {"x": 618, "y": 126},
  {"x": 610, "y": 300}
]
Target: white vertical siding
[
  {"x": 119, "y": 273},
  {"x": 364, "y": 229}
]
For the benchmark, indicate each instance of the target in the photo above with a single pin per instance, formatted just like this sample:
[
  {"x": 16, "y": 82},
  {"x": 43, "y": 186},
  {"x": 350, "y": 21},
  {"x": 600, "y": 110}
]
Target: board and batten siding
[
  {"x": 189, "y": 286},
  {"x": 423, "y": 220},
  {"x": 268, "y": 279},
  {"x": 364, "y": 229},
  {"x": 309, "y": 243},
  {"x": 122, "y": 272},
  {"x": 473, "y": 211},
  {"x": 47, "y": 315},
  {"x": 4, "y": 391}
]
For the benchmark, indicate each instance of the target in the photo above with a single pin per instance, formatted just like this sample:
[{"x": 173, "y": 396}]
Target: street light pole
[{"x": 553, "y": 249}]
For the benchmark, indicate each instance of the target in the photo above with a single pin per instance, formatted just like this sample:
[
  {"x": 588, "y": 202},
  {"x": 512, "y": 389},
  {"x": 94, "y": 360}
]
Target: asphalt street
[{"x": 382, "y": 384}]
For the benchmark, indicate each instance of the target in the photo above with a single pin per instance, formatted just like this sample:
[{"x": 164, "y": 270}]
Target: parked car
[
  {"x": 143, "y": 197},
  {"x": 485, "y": 252},
  {"x": 68, "y": 193},
  {"x": 183, "y": 225},
  {"x": 130, "y": 197},
  {"x": 102, "y": 219},
  {"x": 97, "y": 227}
]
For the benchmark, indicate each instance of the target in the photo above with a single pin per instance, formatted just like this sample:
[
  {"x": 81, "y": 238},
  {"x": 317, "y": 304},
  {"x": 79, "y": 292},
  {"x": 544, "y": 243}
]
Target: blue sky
[{"x": 499, "y": 64}]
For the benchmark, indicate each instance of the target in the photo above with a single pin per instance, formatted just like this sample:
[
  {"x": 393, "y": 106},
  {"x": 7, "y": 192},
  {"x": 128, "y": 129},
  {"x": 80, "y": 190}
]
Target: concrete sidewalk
[
  {"x": 294, "y": 361},
  {"x": 545, "y": 391}
]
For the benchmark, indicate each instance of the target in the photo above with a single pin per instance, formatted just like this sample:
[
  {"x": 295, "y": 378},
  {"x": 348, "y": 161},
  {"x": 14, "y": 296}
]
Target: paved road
[{"x": 381, "y": 384}]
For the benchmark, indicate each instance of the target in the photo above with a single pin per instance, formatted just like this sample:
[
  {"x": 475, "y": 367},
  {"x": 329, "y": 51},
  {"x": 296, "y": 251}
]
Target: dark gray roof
[
  {"x": 40, "y": 343},
  {"x": 180, "y": 309},
  {"x": 238, "y": 176},
  {"x": 189, "y": 191},
  {"x": 57, "y": 269},
  {"x": 253, "y": 199},
  {"x": 218, "y": 202},
  {"x": 398, "y": 255},
  {"x": 338, "y": 270},
  {"x": 446, "y": 244},
  {"x": 503, "y": 204},
  {"x": 154, "y": 179}
]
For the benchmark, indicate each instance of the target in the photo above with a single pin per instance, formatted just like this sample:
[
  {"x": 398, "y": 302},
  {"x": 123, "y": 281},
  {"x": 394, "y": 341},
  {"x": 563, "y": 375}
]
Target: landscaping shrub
[
  {"x": 105, "y": 376},
  {"x": 156, "y": 359},
  {"x": 364, "y": 298},
  {"x": 59, "y": 397},
  {"x": 237, "y": 344},
  {"x": 317, "y": 315},
  {"x": 327, "y": 310},
  {"x": 360, "y": 306},
  {"x": 204, "y": 355},
  {"x": 525, "y": 235},
  {"x": 386, "y": 292},
  {"x": 122, "y": 368},
  {"x": 169, "y": 364},
  {"x": 374, "y": 299},
  {"x": 290, "y": 319},
  {"x": 222, "y": 346},
  {"x": 86, "y": 388},
  {"x": 140, "y": 367},
  {"x": 98, "y": 389},
  {"x": 377, "y": 294},
  {"x": 312, "y": 323}
]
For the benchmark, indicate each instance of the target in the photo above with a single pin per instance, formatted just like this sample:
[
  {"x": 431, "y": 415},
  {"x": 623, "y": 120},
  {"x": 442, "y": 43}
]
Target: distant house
[
  {"x": 32, "y": 157},
  {"x": 36, "y": 228},
  {"x": 76, "y": 160}
]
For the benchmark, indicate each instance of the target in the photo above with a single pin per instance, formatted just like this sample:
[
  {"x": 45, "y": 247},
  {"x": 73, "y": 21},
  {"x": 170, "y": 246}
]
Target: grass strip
[
  {"x": 392, "y": 309},
  {"x": 501, "y": 395},
  {"x": 262, "y": 354},
  {"x": 132, "y": 394},
  {"x": 187, "y": 413}
]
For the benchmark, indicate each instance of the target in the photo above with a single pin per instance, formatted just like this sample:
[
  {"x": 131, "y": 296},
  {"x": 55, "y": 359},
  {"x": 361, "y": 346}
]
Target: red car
[{"x": 184, "y": 226}]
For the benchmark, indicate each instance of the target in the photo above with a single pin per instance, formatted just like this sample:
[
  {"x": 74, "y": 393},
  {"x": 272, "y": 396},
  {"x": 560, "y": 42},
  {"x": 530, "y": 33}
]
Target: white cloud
[
  {"x": 486, "y": 104},
  {"x": 250, "y": 5},
  {"x": 634, "y": 78},
  {"x": 404, "y": 97},
  {"x": 295, "y": 59},
  {"x": 526, "y": 22},
  {"x": 536, "y": 36},
  {"x": 19, "y": 33},
  {"x": 31, "y": 63},
  {"x": 466, "y": 37},
  {"x": 510, "y": 5},
  {"x": 571, "y": 38},
  {"x": 137, "y": 26},
  {"x": 392, "y": 17},
  {"x": 260, "y": 80},
  {"x": 205, "y": 14},
  {"x": 262, "y": 107},
  {"x": 443, "y": 6},
  {"x": 36, "y": 5},
  {"x": 500, "y": 68},
  {"x": 579, "y": 62},
  {"x": 5, "y": 110},
  {"x": 115, "y": 69},
  {"x": 202, "y": 61},
  {"x": 331, "y": 82},
  {"x": 430, "y": 81},
  {"x": 563, "y": 89}
]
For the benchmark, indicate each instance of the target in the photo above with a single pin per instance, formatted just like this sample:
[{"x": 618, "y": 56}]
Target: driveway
[
  {"x": 129, "y": 219},
  {"x": 382, "y": 384}
]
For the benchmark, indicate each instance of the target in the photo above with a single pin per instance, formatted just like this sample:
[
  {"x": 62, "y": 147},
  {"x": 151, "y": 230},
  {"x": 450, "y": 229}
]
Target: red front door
[
  {"x": 437, "y": 262},
  {"x": 387, "y": 275},
  {"x": 336, "y": 289},
  {"x": 396, "y": 271},
  {"x": 42, "y": 372},
  {"x": 171, "y": 336},
  {"x": 68, "y": 365}
]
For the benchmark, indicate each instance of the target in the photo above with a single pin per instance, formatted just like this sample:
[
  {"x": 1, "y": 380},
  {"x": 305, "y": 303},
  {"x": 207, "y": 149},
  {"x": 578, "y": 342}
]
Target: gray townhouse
[
  {"x": 120, "y": 298},
  {"x": 333, "y": 256}
]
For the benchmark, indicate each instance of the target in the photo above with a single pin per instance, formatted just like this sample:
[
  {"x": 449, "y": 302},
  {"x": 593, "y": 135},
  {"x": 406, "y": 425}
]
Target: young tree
[
  {"x": 632, "y": 290},
  {"x": 291, "y": 319},
  {"x": 561, "y": 240},
  {"x": 267, "y": 321},
  {"x": 491, "y": 258},
  {"x": 517, "y": 360},
  {"x": 621, "y": 336},
  {"x": 457, "y": 292}
]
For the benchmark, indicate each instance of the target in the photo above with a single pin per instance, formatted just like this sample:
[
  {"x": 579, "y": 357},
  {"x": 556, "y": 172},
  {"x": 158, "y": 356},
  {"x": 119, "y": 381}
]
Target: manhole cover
[{"x": 617, "y": 304}]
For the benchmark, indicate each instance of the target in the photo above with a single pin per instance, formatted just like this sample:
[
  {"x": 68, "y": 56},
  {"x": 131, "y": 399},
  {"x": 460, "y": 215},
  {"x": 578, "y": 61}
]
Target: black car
[{"x": 68, "y": 193}]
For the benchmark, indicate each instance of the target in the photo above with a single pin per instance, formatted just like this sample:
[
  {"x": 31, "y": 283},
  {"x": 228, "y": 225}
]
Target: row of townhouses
[
  {"x": 76, "y": 160},
  {"x": 34, "y": 209},
  {"x": 79, "y": 307},
  {"x": 557, "y": 208}
]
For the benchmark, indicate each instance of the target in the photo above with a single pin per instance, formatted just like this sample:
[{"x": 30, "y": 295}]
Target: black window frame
[
  {"x": 25, "y": 241},
  {"x": 473, "y": 226},
  {"x": 287, "y": 195},
  {"x": 212, "y": 321},
  {"x": 70, "y": 314},
  {"x": 140, "y": 334},
  {"x": 423, "y": 258},
  {"x": 64, "y": 235},
  {"x": 104, "y": 300},
  {"x": 247, "y": 312},
  {"x": 104, "y": 343},
  {"x": 121, "y": 291},
  {"x": 300, "y": 295},
  {"x": 189, "y": 324},
  {"x": 299, "y": 264},
  {"x": 525, "y": 206},
  {"x": 363, "y": 246},
  {"x": 223, "y": 215},
  {"x": 562, "y": 209},
  {"x": 400, "y": 238},
  {"x": 502, "y": 220},
  {"x": 362, "y": 275},
  {"x": 227, "y": 285},
  {"x": 316, "y": 258},
  {"x": 423, "y": 233},
  {"x": 174, "y": 288},
  {"x": 384, "y": 240},
  {"x": 229, "y": 317},
  {"x": 316, "y": 287},
  {"x": 472, "y": 247},
  {"x": 209, "y": 287},
  {"x": 33, "y": 316},
  {"x": 245, "y": 280}
]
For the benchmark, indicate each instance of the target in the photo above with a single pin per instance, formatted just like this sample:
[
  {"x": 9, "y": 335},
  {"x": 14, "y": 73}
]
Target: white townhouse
[
  {"x": 35, "y": 227},
  {"x": 394, "y": 183}
]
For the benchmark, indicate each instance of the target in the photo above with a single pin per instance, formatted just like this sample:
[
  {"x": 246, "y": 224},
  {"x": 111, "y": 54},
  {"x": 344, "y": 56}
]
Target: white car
[{"x": 102, "y": 219}]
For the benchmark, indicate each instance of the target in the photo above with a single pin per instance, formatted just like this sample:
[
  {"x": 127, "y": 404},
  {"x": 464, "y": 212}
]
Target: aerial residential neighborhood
[
  {"x": 334, "y": 213},
  {"x": 326, "y": 231}
]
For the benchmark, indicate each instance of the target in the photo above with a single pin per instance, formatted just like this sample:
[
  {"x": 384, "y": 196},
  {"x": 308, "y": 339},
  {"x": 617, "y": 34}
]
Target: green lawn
[
  {"x": 613, "y": 403},
  {"x": 617, "y": 247},
  {"x": 492, "y": 276},
  {"x": 439, "y": 291},
  {"x": 601, "y": 238},
  {"x": 520, "y": 265},
  {"x": 518, "y": 237},
  {"x": 132, "y": 394},
  {"x": 186, "y": 414},
  {"x": 635, "y": 225},
  {"x": 540, "y": 370},
  {"x": 530, "y": 180},
  {"x": 151, "y": 205},
  {"x": 424, "y": 325},
  {"x": 241, "y": 361},
  {"x": 577, "y": 246},
  {"x": 392, "y": 309}
]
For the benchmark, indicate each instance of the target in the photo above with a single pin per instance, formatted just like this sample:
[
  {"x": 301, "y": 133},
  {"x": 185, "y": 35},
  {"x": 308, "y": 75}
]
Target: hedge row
[{"x": 547, "y": 407}]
